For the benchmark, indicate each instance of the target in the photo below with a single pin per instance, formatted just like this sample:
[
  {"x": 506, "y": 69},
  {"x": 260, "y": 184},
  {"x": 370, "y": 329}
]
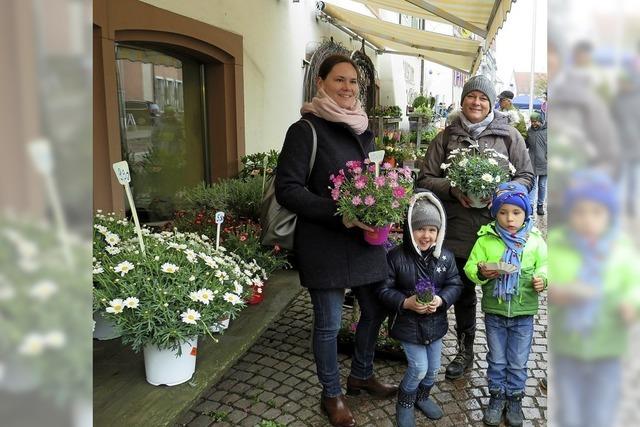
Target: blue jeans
[
  {"x": 509, "y": 340},
  {"x": 327, "y": 315},
  {"x": 538, "y": 192},
  {"x": 424, "y": 363},
  {"x": 587, "y": 392}
]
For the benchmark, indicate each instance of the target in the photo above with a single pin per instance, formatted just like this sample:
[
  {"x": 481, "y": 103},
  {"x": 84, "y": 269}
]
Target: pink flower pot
[{"x": 378, "y": 236}]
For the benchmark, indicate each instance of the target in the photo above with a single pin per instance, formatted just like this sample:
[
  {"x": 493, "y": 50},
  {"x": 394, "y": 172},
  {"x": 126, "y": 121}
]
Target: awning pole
[{"x": 533, "y": 57}]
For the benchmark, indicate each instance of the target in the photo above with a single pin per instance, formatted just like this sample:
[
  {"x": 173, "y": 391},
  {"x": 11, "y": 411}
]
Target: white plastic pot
[
  {"x": 105, "y": 329},
  {"x": 165, "y": 367},
  {"x": 219, "y": 326}
]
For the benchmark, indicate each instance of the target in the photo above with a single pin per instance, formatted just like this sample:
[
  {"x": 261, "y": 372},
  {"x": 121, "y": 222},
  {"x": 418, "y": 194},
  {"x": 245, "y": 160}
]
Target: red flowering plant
[{"x": 373, "y": 200}]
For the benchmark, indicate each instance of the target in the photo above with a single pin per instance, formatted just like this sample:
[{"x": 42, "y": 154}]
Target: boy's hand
[
  {"x": 412, "y": 304},
  {"x": 538, "y": 284},
  {"x": 487, "y": 274}
]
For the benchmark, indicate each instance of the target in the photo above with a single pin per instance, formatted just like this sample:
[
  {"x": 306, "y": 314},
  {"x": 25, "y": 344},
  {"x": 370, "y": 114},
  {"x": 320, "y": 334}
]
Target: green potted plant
[{"x": 164, "y": 299}]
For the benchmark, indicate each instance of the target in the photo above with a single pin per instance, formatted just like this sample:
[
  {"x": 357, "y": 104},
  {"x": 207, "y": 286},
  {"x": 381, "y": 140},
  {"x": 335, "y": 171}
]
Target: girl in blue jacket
[{"x": 418, "y": 267}]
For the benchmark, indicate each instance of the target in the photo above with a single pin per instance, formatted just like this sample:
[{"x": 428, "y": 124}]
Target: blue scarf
[
  {"x": 582, "y": 316},
  {"x": 506, "y": 285}
]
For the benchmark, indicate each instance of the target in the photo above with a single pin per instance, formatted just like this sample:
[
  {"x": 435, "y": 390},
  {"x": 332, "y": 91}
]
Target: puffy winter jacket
[
  {"x": 406, "y": 265},
  {"x": 489, "y": 248}
]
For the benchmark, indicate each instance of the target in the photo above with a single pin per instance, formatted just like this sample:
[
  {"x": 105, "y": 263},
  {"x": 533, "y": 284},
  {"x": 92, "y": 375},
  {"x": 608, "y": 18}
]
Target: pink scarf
[{"x": 323, "y": 106}]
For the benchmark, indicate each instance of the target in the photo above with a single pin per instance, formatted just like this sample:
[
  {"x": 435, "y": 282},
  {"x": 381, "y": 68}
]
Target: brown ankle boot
[
  {"x": 338, "y": 411},
  {"x": 372, "y": 385}
]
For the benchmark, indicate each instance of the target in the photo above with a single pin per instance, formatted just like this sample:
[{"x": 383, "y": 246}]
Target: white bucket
[
  {"x": 165, "y": 367},
  {"x": 105, "y": 329}
]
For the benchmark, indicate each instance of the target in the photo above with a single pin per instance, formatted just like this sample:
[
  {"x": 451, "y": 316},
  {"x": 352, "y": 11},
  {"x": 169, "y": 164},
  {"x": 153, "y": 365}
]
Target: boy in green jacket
[
  {"x": 593, "y": 298},
  {"x": 509, "y": 260}
]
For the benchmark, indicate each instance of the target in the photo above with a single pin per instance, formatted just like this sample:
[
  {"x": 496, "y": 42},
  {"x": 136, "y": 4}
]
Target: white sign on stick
[
  {"x": 219, "y": 221},
  {"x": 124, "y": 177},
  {"x": 377, "y": 157}
]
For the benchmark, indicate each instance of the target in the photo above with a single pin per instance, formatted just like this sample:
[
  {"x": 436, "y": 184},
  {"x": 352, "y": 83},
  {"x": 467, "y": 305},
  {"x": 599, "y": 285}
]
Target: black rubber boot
[{"x": 464, "y": 359}]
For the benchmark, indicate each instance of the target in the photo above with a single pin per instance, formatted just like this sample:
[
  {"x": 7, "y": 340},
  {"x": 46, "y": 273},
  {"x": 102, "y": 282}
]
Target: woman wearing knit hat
[
  {"x": 423, "y": 283},
  {"x": 475, "y": 125},
  {"x": 509, "y": 260}
]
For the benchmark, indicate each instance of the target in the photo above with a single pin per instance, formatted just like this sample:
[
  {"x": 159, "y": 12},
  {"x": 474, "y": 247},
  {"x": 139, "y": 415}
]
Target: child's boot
[
  {"x": 514, "y": 409},
  {"x": 493, "y": 413},
  {"x": 405, "y": 412},
  {"x": 430, "y": 408}
]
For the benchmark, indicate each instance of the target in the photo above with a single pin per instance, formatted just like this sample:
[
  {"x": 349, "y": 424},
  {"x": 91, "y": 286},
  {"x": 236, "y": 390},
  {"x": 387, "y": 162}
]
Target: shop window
[{"x": 162, "y": 122}]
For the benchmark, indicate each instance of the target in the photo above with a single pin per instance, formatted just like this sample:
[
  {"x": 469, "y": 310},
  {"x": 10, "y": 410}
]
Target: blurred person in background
[
  {"x": 516, "y": 119},
  {"x": 537, "y": 145},
  {"x": 626, "y": 112},
  {"x": 593, "y": 296}
]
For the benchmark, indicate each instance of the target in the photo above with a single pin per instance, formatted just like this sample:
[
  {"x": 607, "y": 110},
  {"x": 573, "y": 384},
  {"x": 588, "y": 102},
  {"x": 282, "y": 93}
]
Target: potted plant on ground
[{"x": 161, "y": 301}]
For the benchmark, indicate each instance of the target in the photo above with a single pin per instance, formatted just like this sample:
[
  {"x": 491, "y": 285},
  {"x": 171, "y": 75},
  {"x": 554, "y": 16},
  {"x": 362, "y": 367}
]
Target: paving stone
[{"x": 276, "y": 380}]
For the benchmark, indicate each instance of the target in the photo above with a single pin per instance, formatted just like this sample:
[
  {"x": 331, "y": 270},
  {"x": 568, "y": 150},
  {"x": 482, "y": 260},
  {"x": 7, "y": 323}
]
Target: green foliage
[
  {"x": 419, "y": 101},
  {"x": 386, "y": 111},
  {"x": 253, "y": 164}
]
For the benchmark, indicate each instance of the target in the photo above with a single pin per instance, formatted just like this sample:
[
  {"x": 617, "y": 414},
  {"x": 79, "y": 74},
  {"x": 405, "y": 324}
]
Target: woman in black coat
[
  {"x": 420, "y": 327},
  {"x": 331, "y": 252}
]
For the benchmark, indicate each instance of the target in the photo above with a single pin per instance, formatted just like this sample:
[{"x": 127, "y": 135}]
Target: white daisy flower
[
  {"x": 190, "y": 316},
  {"x": 237, "y": 288},
  {"x": 112, "y": 239},
  {"x": 156, "y": 258},
  {"x": 167, "y": 267},
  {"x": 205, "y": 296},
  {"x": 101, "y": 229},
  {"x": 444, "y": 166},
  {"x": 43, "y": 290},
  {"x": 123, "y": 268},
  {"x": 512, "y": 169},
  {"x": 493, "y": 162},
  {"x": 113, "y": 250},
  {"x": 132, "y": 302},
  {"x": 192, "y": 278},
  {"x": 487, "y": 177},
  {"x": 32, "y": 345},
  {"x": 232, "y": 298},
  {"x": 55, "y": 339},
  {"x": 194, "y": 296},
  {"x": 116, "y": 306},
  {"x": 498, "y": 179},
  {"x": 98, "y": 269},
  {"x": 463, "y": 162}
]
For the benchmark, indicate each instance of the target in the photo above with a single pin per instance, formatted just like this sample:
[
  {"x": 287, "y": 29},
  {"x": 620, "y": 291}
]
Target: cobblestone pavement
[{"x": 276, "y": 380}]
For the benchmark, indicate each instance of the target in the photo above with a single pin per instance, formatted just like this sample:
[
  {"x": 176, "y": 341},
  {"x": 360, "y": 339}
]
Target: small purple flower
[
  {"x": 335, "y": 194},
  {"x": 395, "y": 204},
  {"x": 425, "y": 290},
  {"x": 386, "y": 165},
  {"x": 356, "y": 201},
  {"x": 337, "y": 180},
  {"x": 357, "y": 170},
  {"x": 369, "y": 200},
  {"x": 393, "y": 175},
  {"x": 372, "y": 167}
]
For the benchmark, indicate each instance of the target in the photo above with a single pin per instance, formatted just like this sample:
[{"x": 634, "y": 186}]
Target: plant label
[
  {"x": 219, "y": 217},
  {"x": 376, "y": 156},
  {"x": 122, "y": 172}
]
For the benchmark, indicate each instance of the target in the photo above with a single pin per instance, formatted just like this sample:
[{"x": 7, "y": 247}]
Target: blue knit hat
[
  {"x": 512, "y": 193},
  {"x": 593, "y": 185}
]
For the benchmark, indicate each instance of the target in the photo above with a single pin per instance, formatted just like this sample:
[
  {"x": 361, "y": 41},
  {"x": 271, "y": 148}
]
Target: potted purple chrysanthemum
[{"x": 425, "y": 290}]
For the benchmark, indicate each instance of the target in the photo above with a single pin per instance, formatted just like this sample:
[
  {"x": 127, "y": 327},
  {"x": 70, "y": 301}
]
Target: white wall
[{"x": 276, "y": 34}]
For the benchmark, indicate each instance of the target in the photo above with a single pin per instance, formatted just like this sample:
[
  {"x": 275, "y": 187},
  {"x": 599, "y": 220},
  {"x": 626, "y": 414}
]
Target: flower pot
[
  {"x": 476, "y": 201},
  {"x": 378, "y": 236},
  {"x": 220, "y": 326},
  {"x": 257, "y": 296},
  {"x": 105, "y": 329},
  {"x": 165, "y": 367}
]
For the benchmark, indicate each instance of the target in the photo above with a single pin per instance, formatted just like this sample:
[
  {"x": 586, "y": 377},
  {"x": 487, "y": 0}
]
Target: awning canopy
[{"x": 480, "y": 17}]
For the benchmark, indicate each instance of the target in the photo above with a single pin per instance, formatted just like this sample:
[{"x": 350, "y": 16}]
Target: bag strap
[{"x": 312, "y": 161}]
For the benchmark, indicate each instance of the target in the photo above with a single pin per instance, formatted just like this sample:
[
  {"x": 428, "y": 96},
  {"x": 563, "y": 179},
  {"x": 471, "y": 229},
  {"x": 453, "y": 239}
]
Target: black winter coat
[
  {"x": 327, "y": 253},
  {"x": 406, "y": 266}
]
